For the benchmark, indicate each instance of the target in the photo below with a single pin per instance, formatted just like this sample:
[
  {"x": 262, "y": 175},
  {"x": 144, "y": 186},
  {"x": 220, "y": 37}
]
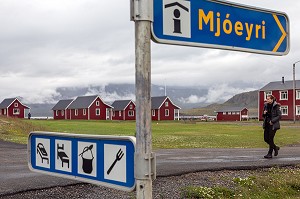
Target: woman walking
[{"x": 271, "y": 115}]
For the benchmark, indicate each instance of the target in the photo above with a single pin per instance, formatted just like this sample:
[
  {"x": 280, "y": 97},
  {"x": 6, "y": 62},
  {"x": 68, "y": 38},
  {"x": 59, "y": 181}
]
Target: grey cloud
[
  {"x": 217, "y": 93},
  {"x": 52, "y": 43}
]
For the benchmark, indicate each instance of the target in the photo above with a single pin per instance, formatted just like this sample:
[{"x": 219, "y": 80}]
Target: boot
[
  {"x": 268, "y": 156},
  {"x": 276, "y": 150}
]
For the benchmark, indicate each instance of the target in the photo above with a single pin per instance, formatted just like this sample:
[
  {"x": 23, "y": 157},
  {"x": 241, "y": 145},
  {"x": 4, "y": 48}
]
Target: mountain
[
  {"x": 246, "y": 99},
  {"x": 41, "y": 110}
]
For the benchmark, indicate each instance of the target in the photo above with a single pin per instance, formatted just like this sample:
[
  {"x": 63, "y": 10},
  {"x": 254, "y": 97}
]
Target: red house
[
  {"x": 13, "y": 107},
  {"x": 60, "y": 109},
  {"x": 232, "y": 114},
  {"x": 89, "y": 108},
  {"x": 283, "y": 91},
  {"x": 123, "y": 110},
  {"x": 162, "y": 108}
]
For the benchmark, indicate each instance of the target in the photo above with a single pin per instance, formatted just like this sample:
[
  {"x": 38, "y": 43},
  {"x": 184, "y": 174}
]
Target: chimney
[{"x": 282, "y": 80}]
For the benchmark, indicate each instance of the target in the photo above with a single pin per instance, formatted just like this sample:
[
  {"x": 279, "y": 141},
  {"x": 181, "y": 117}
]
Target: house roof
[
  {"x": 7, "y": 102},
  {"x": 84, "y": 102},
  {"x": 157, "y": 102},
  {"x": 278, "y": 85},
  {"x": 120, "y": 105},
  {"x": 62, "y": 104},
  {"x": 230, "y": 109}
]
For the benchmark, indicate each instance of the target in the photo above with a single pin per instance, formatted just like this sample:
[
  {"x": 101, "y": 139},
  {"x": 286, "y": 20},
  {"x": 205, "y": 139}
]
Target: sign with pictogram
[
  {"x": 220, "y": 24},
  {"x": 63, "y": 154},
  {"x": 101, "y": 160},
  {"x": 115, "y": 162},
  {"x": 42, "y": 149}
]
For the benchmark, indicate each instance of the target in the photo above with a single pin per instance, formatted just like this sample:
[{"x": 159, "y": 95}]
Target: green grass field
[{"x": 173, "y": 134}]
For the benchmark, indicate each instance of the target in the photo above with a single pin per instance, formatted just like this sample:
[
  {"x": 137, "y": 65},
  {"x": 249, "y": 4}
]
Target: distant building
[
  {"x": 123, "y": 110},
  {"x": 162, "y": 108},
  {"x": 89, "y": 108},
  {"x": 13, "y": 107},
  {"x": 283, "y": 92},
  {"x": 60, "y": 109},
  {"x": 232, "y": 114}
]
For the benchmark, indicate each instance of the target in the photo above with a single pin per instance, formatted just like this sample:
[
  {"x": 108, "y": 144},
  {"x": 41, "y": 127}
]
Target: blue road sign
[
  {"x": 101, "y": 160},
  {"x": 220, "y": 24}
]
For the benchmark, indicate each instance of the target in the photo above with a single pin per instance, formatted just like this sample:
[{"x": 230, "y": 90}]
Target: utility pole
[
  {"x": 142, "y": 15},
  {"x": 165, "y": 88},
  {"x": 294, "y": 92}
]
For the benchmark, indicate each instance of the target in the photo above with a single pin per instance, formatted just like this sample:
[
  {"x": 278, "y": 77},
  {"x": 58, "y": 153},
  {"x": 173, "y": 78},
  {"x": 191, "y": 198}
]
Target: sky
[{"x": 80, "y": 43}]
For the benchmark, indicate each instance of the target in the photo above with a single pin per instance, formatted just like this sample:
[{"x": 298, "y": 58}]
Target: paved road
[{"x": 16, "y": 177}]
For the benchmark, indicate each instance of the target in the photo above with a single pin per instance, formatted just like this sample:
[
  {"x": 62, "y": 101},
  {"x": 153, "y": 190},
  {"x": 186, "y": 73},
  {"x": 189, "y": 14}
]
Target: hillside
[{"x": 247, "y": 99}]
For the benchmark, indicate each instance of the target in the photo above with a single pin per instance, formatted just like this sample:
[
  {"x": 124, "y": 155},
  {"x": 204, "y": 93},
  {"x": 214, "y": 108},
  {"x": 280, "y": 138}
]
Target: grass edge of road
[{"x": 275, "y": 183}]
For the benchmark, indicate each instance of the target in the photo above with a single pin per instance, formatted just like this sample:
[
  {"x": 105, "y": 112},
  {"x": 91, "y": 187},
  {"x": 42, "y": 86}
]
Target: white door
[{"x": 107, "y": 114}]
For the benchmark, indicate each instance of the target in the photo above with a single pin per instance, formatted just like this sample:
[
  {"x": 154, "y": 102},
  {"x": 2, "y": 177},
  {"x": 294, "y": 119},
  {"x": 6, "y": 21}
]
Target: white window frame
[
  {"x": 229, "y": 113},
  {"x": 76, "y": 112},
  {"x": 16, "y": 111},
  {"x": 84, "y": 111},
  {"x": 97, "y": 111},
  {"x": 131, "y": 113},
  {"x": 167, "y": 112},
  {"x": 266, "y": 93},
  {"x": 114, "y": 113},
  {"x": 237, "y": 112},
  {"x": 224, "y": 113},
  {"x": 16, "y": 104},
  {"x": 153, "y": 112},
  {"x": 120, "y": 113},
  {"x": 284, "y": 108},
  {"x": 4, "y": 112},
  {"x": 131, "y": 106},
  {"x": 166, "y": 104},
  {"x": 62, "y": 113},
  {"x": 297, "y": 110},
  {"x": 280, "y": 95},
  {"x": 97, "y": 103},
  {"x": 56, "y": 113},
  {"x": 297, "y": 94}
]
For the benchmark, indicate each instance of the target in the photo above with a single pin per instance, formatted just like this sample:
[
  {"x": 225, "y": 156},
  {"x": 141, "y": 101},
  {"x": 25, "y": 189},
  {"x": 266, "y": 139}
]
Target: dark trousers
[{"x": 269, "y": 135}]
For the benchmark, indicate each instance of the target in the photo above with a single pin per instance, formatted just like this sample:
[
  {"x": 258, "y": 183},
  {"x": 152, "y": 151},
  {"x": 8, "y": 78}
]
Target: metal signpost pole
[
  {"x": 141, "y": 13},
  {"x": 143, "y": 102}
]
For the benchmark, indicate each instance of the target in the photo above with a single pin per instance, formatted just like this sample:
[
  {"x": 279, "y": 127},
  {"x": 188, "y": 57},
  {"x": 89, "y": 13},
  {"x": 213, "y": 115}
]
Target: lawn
[{"x": 177, "y": 134}]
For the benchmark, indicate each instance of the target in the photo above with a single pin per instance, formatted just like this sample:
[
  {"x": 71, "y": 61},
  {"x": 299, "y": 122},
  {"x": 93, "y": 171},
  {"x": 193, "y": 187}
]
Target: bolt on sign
[
  {"x": 101, "y": 160},
  {"x": 220, "y": 24}
]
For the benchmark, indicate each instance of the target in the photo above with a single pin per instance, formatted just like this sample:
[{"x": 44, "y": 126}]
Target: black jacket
[{"x": 275, "y": 116}]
